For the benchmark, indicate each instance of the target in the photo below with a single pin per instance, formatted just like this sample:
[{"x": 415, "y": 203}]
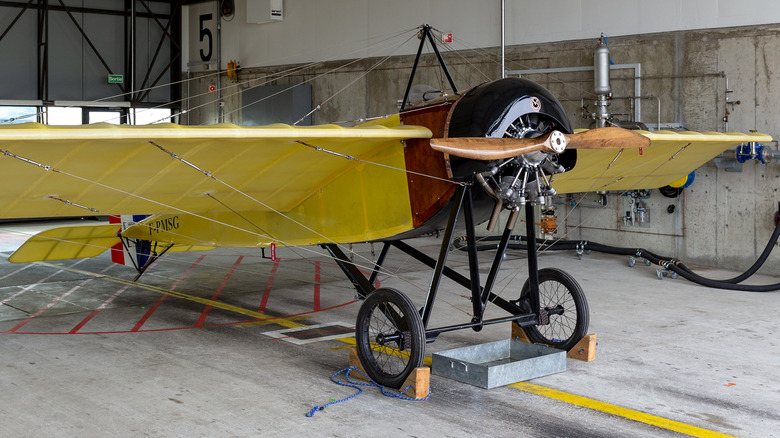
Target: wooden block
[
  {"x": 585, "y": 349},
  {"x": 518, "y": 333},
  {"x": 354, "y": 361},
  {"x": 420, "y": 379}
]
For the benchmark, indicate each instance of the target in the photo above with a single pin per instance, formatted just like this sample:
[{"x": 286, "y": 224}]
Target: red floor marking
[
  {"x": 222, "y": 324},
  {"x": 95, "y": 312},
  {"x": 206, "y": 311},
  {"x": 56, "y": 300},
  {"x": 154, "y": 307},
  {"x": 268, "y": 285},
  {"x": 316, "y": 286},
  {"x": 138, "y": 327}
]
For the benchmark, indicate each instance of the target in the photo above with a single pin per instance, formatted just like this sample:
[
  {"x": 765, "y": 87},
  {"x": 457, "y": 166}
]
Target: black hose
[
  {"x": 757, "y": 265},
  {"x": 667, "y": 262}
]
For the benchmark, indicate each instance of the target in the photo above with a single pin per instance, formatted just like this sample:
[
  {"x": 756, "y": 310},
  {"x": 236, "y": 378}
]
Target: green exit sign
[{"x": 116, "y": 79}]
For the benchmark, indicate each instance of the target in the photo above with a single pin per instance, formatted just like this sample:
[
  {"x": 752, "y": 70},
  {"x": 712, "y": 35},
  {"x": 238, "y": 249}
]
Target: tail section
[
  {"x": 84, "y": 241},
  {"x": 80, "y": 241},
  {"x": 131, "y": 252}
]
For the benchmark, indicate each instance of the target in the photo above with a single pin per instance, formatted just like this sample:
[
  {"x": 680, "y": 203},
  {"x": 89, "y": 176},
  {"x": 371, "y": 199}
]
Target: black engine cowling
[{"x": 511, "y": 107}]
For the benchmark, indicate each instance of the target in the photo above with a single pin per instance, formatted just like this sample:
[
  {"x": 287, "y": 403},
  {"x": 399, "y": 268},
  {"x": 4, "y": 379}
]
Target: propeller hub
[{"x": 558, "y": 141}]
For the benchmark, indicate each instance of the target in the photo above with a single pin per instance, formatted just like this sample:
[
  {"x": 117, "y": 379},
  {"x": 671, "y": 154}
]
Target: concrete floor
[{"x": 90, "y": 356}]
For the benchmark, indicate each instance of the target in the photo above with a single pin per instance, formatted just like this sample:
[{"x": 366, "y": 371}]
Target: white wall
[
  {"x": 578, "y": 19},
  {"x": 315, "y": 30}
]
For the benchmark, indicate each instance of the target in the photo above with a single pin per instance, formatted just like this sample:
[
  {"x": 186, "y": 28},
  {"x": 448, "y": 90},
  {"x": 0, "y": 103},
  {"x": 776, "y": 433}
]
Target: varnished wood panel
[{"x": 427, "y": 195}]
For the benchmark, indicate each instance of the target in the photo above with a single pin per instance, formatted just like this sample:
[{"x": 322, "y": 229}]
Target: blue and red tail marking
[{"x": 131, "y": 252}]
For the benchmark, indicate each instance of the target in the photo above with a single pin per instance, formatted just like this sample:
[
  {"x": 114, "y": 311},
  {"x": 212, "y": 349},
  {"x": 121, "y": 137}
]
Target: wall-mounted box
[{"x": 264, "y": 11}]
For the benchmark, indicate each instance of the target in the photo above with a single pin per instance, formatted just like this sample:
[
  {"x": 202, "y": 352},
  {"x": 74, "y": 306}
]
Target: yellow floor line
[
  {"x": 270, "y": 320},
  {"x": 585, "y": 402},
  {"x": 351, "y": 343},
  {"x": 596, "y": 405},
  {"x": 284, "y": 322},
  {"x": 631, "y": 414}
]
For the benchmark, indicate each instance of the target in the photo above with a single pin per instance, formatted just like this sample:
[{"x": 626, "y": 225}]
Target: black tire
[
  {"x": 558, "y": 289},
  {"x": 390, "y": 337}
]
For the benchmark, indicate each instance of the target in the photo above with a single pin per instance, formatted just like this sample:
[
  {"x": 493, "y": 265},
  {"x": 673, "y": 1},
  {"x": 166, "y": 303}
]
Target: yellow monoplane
[{"x": 503, "y": 145}]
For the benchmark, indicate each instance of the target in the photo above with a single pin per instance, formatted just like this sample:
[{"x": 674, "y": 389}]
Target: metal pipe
[
  {"x": 726, "y": 104},
  {"x": 414, "y": 67},
  {"x": 532, "y": 261},
  {"x": 43, "y": 54},
  {"x": 478, "y": 306},
  {"x": 523, "y": 320},
  {"x": 649, "y": 96},
  {"x": 92, "y": 103},
  {"x": 638, "y": 91},
  {"x": 631, "y": 231},
  {"x": 441, "y": 262},
  {"x": 188, "y": 95},
  {"x": 441, "y": 60},
  {"x": 131, "y": 79},
  {"x": 569, "y": 69},
  {"x": 503, "y": 38},
  {"x": 637, "y": 67},
  {"x": 220, "y": 112},
  {"x": 379, "y": 262},
  {"x": 21, "y": 102},
  {"x": 498, "y": 257}
]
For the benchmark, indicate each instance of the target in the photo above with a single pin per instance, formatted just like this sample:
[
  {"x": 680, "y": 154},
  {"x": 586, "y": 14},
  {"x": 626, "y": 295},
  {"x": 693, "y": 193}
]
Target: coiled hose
[{"x": 667, "y": 262}]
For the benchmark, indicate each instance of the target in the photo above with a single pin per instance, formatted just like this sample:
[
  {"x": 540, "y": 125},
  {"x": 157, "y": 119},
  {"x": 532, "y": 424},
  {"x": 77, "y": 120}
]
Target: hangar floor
[{"x": 85, "y": 354}]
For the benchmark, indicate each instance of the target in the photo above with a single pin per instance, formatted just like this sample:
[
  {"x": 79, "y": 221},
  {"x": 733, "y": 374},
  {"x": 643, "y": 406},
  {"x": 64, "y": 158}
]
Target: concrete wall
[
  {"x": 724, "y": 219},
  {"x": 314, "y": 30}
]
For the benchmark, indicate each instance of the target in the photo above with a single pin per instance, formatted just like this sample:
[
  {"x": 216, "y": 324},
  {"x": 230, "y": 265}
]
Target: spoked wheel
[
  {"x": 562, "y": 297},
  {"x": 390, "y": 337}
]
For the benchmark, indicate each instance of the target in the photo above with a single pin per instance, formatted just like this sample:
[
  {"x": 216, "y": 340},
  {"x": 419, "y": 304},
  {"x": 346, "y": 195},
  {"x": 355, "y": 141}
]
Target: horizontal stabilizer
[
  {"x": 79, "y": 242},
  {"x": 74, "y": 242}
]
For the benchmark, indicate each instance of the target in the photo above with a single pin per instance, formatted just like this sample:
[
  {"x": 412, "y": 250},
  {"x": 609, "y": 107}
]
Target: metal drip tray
[{"x": 498, "y": 363}]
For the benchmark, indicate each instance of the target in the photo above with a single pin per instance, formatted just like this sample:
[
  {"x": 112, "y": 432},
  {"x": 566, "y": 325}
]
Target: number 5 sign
[{"x": 202, "y": 34}]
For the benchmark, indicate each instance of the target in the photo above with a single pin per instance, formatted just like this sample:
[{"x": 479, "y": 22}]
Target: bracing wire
[
  {"x": 484, "y": 53},
  {"x": 369, "y": 263},
  {"x": 293, "y": 71},
  {"x": 494, "y": 59},
  {"x": 384, "y": 40}
]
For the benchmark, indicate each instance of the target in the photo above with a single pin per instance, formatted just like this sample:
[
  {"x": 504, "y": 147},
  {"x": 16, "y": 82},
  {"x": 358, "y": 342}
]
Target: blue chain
[{"x": 352, "y": 384}]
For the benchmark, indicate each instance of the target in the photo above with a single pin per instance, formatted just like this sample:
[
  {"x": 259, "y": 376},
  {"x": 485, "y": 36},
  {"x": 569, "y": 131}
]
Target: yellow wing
[
  {"x": 250, "y": 180},
  {"x": 670, "y": 156},
  {"x": 117, "y": 169},
  {"x": 76, "y": 242}
]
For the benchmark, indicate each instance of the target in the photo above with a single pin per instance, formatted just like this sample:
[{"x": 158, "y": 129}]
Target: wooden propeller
[{"x": 489, "y": 148}]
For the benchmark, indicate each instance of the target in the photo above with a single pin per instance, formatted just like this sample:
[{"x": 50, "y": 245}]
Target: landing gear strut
[{"x": 391, "y": 334}]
